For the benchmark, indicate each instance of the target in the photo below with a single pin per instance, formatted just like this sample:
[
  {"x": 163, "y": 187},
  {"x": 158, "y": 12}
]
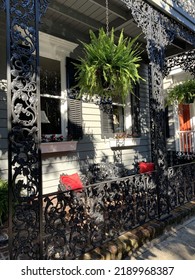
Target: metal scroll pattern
[
  {"x": 178, "y": 158},
  {"x": 155, "y": 27},
  {"x": 2, "y": 4},
  {"x": 167, "y": 25},
  {"x": 159, "y": 31},
  {"x": 181, "y": 187},
  {"x": 185, "y": 60},
  {"x": 24, "y": 158},
  {"x": 43, "y": 4},
  {"x": 76, "y": 222}
]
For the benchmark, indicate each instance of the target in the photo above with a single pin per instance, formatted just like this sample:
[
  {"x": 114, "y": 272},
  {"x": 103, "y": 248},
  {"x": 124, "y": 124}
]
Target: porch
[
  {"x": 67, "y": 225},
  {"x": 77, "y": 222},
  {"x": 111, "y": 219}
]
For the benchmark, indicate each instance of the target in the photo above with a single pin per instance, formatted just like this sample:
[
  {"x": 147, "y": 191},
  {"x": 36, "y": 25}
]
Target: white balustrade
[{"x": 186, "y": 141}]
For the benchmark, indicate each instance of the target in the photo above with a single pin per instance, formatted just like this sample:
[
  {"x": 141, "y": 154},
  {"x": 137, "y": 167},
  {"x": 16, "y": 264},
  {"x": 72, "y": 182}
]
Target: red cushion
[
  {"x": 146, "y": 167},
  {"x": 71, "y": 182}
]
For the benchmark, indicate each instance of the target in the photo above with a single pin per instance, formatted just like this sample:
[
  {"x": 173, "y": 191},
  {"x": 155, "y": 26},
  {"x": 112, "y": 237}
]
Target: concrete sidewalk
[{"x": 178, "y": 243}]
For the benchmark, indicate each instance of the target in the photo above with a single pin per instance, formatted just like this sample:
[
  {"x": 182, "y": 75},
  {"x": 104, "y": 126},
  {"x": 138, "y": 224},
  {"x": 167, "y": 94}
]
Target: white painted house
[
  {"x": 90, "y": 131},
  {"x": 181, "y": 116}
]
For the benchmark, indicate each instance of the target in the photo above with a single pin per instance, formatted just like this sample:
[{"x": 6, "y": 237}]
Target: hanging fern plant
[
  {"x": 182, "y": 93},
  {"x": 109, "y": 69}
]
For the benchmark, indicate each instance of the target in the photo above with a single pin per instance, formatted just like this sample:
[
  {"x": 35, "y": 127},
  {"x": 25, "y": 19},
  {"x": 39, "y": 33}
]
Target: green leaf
[
  {"x": 3, "y": 200},
  {"x": 107, "y": 64},
  {"x": 182, "y": 93}
]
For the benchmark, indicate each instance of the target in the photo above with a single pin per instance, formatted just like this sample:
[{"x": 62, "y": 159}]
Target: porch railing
[
  {"x": 76, "y": 222},
  {"x": 185, "y": 141}
]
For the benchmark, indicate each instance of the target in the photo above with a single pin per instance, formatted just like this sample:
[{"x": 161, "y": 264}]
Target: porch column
[
  {"x": 153, "y": 25},
  {"x": 159, "y": 32},
  {"x": 24, "y": 157}
]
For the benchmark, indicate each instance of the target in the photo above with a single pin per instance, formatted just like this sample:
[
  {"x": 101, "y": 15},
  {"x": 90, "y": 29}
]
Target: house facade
[
  {"x": 46, "y": 131},
  {"x": 79, "y": 133},
  {"x": 181, "y": 116}
]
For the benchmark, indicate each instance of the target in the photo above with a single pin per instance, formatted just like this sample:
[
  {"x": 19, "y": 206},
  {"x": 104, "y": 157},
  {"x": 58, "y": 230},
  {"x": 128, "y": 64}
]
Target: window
[
  {"x": 117, "y": 118},
  {"x": 50, "y": 89},
  {"x": 57, "y": 110}
]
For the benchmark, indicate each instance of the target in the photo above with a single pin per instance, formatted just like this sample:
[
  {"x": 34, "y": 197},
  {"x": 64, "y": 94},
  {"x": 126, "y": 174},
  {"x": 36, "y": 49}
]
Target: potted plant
[
  {"x": 3, "y": 201},
  {"x": 108, "y": 69},
  {"x": 182, "y": 93}
]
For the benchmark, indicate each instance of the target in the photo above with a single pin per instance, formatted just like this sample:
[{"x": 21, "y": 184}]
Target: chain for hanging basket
[{"x": 107, "y": 18}]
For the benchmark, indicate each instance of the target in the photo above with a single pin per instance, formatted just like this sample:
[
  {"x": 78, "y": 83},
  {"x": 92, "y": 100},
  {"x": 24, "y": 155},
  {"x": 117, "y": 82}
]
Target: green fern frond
[
  {"x": 183, "y": 93},
  {"x": 3, "y": 200},
  {"x": 108, "y": 68}
]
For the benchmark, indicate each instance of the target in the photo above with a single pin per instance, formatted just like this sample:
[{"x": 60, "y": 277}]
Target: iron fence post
[{"x": 24, "y": 156}]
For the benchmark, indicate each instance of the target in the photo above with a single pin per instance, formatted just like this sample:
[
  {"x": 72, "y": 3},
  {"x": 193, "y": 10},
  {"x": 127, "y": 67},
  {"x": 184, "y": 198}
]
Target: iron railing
[
  {"x": 76, "y": 222},
  {"x": 179, "y": 158}
]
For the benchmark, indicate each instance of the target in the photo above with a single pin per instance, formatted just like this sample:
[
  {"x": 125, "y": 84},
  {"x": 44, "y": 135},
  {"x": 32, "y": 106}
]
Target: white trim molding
[
  {"x": 56, "y": 147},
  {"x": 124, "y": 142}
]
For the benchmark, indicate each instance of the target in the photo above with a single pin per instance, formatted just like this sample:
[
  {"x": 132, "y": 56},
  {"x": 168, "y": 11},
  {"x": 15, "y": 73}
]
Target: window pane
[
  {"x": 51, "y": 108},
  {"x": 135, "y": 111},
  {"x": 118, "y": 118},
  {"x": 71, "y": 72},
  {"x": 50, "y": 76}
]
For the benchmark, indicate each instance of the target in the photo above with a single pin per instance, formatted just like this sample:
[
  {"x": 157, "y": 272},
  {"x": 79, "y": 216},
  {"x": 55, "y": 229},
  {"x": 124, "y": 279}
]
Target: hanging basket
[
  {"x": 108, "y": 69},
  {"x": 183, "y": 93}
]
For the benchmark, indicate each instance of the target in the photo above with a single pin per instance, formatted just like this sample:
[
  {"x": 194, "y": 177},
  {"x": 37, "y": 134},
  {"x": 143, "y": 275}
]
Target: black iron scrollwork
[
  {"x": 76, "y": 222},
  {"x": 185, "y": 60},
  {"x": 159, "y": 33},
  {"x": 2, "y": 4},
  {"x": 43, "y": 4},
  {"x": 24, "y": 136},
  {"x": 181, "y": 184}
]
